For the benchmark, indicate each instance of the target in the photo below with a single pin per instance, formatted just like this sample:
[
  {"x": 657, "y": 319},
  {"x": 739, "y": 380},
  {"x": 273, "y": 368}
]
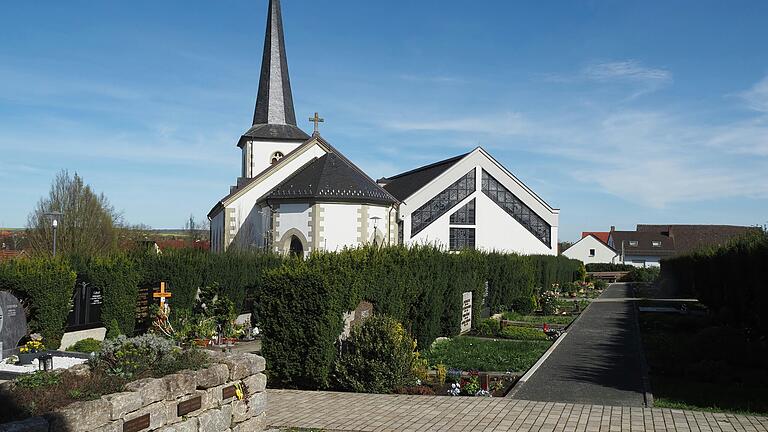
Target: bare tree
[{"x": 87, "y": 224}]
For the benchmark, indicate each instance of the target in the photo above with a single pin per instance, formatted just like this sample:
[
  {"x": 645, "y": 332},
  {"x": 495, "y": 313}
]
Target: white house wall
[{"x": 580, "y": 251}]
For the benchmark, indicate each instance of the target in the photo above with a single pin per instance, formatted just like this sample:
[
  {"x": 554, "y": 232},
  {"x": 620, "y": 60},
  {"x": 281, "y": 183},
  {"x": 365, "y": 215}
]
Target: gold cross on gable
[
  {"x": 163, "y": 294},
  {"x": 317, "y": 120}
]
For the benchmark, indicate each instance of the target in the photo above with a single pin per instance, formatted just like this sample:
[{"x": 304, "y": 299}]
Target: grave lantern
[{"x": 45, "y": 363}]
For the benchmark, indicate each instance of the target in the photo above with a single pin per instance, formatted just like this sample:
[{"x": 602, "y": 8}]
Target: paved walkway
[
  {"x": 598, "y": 361},
  {"x": 373, "y": 413}
]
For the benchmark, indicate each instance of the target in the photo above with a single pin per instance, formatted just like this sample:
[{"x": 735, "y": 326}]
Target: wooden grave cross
[{"x": 162, "y": 295}]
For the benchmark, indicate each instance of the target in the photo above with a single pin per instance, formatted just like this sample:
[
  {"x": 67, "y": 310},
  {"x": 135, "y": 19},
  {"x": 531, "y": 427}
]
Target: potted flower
[{"x": 32, "y": 349}]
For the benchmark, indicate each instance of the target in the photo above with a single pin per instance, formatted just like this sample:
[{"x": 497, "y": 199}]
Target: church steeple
[
  {"x": 275, "y": 102},
  {"x": 274, "y": 116}
]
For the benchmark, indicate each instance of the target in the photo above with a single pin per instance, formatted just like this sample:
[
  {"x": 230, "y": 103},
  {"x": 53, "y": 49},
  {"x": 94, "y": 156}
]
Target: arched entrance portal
[{"x": 296, "y": 248}]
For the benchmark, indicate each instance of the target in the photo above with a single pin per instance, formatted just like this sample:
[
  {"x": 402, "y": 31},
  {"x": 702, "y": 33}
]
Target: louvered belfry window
[
  {"x": 516, "y": 208},
  {"x": 440, "y": 204}
]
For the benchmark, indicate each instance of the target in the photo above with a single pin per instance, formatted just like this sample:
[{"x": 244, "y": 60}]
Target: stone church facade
[{"x": 298, "y": 194}]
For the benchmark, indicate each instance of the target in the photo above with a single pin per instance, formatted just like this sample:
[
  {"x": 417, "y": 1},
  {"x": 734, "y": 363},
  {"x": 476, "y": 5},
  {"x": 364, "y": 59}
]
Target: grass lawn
[
  {"x": 540, "y": 319},
  {"x": 468, "y": 353},
  {"x": 697, "y": 364}
]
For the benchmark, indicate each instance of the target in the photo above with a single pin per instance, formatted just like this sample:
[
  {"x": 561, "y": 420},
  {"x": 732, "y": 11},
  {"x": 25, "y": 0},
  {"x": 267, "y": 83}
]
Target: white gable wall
[
  {"x": 494, "y": 228},
  {"x": 581, "y": 251}
]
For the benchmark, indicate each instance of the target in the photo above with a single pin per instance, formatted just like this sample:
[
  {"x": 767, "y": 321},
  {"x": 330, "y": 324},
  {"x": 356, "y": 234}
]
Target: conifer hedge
[
  {"x": 731, "y": 280},
  {"x": 45, "y": 286},
  {"x": 302, "y": 301},
  {"x": 117, "y": 277}
]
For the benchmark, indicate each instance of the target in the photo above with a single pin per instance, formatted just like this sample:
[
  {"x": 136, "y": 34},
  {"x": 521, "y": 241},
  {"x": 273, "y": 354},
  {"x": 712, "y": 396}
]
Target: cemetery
[{"x": 169, "y": 315}]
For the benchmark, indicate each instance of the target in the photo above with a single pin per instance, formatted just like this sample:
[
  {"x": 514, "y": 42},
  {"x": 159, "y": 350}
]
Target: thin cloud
[
  {"x": 504, "y": 124},
  {"x": 757, "y": 96}
]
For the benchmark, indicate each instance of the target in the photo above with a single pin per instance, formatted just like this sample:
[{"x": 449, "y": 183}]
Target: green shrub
[
  {"x": 146, "y": 355},
  {"x": 305, "y": 321},
  {"x": 488, "y": 327},
  {"x": 46, "y": 285},
  {"x": 523, "y": 333},
  {"x": 86, "y": 346},
  {"x": 548, "y": 303},
  {"x": 378, "y": 357},
  {"x": 601, "y": 284},
  {"x": 642, "y": 274},
  {"x": 524, "y": 305}
]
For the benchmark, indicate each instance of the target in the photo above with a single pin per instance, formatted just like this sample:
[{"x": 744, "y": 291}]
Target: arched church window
[{"x": 276, "y": 156}]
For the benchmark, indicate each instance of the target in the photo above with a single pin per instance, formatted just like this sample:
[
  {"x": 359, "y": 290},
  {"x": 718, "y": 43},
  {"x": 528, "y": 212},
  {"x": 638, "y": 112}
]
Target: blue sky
[{"x": 617, "y": 113}]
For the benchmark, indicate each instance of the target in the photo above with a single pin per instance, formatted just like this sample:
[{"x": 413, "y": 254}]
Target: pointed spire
[{"x": 274, "y": 104}]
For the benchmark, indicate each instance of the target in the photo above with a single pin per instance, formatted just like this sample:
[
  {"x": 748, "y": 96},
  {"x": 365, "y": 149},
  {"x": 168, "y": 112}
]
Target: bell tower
[{"x": 274, "y": 133}]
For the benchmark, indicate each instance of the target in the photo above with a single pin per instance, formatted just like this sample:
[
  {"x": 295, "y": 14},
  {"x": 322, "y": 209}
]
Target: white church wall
[
  {"x": 217, "y": 233},
  {"x": 497, "y": 230},
  {"x": 381, "y": 225},
  {"x": 581, "y": 250},
  {"x": 257, "y": 155},
  {"x": 293, "y": 217},
  {"x": 244, "y": 207},
  {"x": 340, "y": 226}
]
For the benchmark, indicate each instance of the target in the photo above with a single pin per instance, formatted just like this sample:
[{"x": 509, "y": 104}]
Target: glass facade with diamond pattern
[
  {"x": 439, "y": 205},
  {"x": 516, "y": 208}
]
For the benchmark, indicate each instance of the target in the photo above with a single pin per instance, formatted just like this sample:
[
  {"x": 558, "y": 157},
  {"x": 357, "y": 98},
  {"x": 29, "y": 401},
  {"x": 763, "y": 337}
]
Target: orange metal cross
[{"x": 163, "y": 294}]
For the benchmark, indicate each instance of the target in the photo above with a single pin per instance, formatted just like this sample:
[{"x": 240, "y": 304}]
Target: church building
[{"x": 298, "y": 194}]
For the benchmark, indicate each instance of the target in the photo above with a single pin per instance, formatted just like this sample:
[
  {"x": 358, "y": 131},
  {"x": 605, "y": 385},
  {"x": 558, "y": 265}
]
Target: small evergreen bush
[
  {"x": 85, "y": 346},
  {"x": 488, "y": 327},
  {"x": 523, "y": 333},
  {"x": 378, "y": 357}
]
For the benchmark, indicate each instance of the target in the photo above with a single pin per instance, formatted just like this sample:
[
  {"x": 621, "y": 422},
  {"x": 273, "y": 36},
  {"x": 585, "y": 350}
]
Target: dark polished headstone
[{"x": 13, "y": 323}]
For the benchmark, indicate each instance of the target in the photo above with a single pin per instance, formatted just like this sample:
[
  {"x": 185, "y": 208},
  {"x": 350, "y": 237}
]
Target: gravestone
[
  {"x": 363, "y": 311},
  {"x": 466, "y": 312},
  {"x": 13, "y": 323}
]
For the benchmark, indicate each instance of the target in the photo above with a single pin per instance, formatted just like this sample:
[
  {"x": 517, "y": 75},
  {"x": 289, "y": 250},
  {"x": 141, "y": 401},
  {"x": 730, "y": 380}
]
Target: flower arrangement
[
  {"x": 34, "y": 345},
  {"x": 455, "y": 389}
]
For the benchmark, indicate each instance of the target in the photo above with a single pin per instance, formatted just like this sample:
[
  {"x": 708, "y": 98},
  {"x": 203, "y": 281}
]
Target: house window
[
  {"x": 656, "y": 243},
  {"x": 465, "y": 215},
  {"x": 633, "y": 243},
  {"x": 591, "y": 252},
  {"x": 462, "y": 238},
  {"x": 276, "y": 156},
  {"x": 517, "y": 209},
  {"x": 439, "y": 205}
]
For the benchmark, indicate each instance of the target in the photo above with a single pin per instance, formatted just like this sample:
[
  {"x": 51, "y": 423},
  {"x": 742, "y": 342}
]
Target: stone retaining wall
[{"x": 206, "y": 400}]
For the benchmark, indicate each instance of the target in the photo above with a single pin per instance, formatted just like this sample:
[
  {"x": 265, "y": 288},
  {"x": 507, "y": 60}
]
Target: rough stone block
[
  {"x": 257, "y": 404},
  {"x": 257, "y": 363},
  {"x": 151, "y": 389},
  {"x": 80, "y": 370},
  {"x": 178, "y": 385},
  {"x": 115, "y": 426},
  {"x": 255, "y": 383},
  {"x": 212, "y": 376},
  {"x": 217, "y": 420},
  {"x": 254, "y": 424},
  {"x": 239, "y": 367},
  {"x": 34, "y": 424},
  {"x": 189, "y": 425},
  {"x": 158, "y": 414},
  {"x": 123, "y": 403},
  {"x": 240, "y": 411},
  {"x": 80, "y": 416},
  {"x": 215, "y": 396}
]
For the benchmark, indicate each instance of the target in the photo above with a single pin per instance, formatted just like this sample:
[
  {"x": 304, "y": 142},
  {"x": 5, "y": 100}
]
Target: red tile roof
[{"x": 602, "y": 236}]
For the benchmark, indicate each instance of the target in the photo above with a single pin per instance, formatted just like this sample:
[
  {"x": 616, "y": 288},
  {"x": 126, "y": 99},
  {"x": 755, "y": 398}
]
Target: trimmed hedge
[
  {"x": 730, "y": 280},
  {"x": 45, "y": 286},
  {"x": 421, "y": 287},
  {"x": 608, "y": 267},
  {"x": 117, "y": 277}
]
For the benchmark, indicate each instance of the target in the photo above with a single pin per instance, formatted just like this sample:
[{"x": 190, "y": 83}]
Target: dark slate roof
[
  {"x": 331, "y": 177},
  {"x": 688, "y": 238},
  {"x": 406, "y": 184},
  {"x": 274, "y": 116},
  {"x": 644, "y": 243}
]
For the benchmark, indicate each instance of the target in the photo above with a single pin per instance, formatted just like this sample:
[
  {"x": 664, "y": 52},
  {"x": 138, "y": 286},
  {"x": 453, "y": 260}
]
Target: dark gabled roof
[
  {"x": 688, "y": 238},
  {"x": 406, "y": 184},
  {"x": 644, "y": 243},
  {"x": 274, "y": 116},
  {"x": 331, "y": 177}
]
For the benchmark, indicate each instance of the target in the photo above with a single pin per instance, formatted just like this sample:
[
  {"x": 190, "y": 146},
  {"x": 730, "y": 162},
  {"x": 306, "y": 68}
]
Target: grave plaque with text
[
  {"x": 13, "y": 323},
  {"x": 466, "y": 312}
]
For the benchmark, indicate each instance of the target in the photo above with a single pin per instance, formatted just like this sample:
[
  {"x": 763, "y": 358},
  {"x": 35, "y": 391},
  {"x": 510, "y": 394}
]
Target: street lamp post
[{"x": 54, "y": 216}]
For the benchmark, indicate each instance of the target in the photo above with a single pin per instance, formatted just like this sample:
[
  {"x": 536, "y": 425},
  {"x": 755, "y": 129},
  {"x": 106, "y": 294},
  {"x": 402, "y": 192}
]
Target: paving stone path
[
  {"x": 331, "y": 411},
  {"x": 598, "y": 361}
]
